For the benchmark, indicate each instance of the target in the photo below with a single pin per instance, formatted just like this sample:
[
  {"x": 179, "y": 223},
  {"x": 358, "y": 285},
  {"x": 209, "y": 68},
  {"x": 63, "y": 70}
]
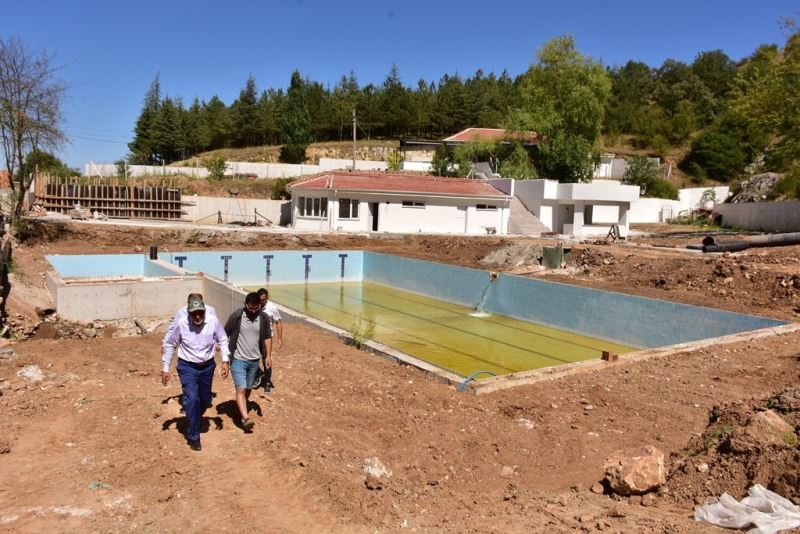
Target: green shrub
[
  {"x": 362, "y": 330},
  {"x": 216, "y": 167},
  {"x": 661, "y": 188},
  {"x": 718, "y": 435},
  {"x": 394, "y": 159},
  {"x": 789, "y": 186},
  {"x": 279, "y": 191},
  {"x": 293, "y": 153},
  {"x": 719, "y": 153},
  {"x": 697, "y": 173}
]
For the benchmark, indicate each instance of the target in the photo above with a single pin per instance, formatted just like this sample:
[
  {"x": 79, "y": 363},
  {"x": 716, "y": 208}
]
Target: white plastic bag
[{"x": 766, "y": 510}]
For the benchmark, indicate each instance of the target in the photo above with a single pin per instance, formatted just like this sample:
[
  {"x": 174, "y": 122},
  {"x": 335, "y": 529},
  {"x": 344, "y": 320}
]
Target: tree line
[
  {"x": 732, "y": 117},
  {"x": 729, "y": 112}
]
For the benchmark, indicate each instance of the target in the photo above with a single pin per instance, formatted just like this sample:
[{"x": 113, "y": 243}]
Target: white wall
[
  {"x": 653, "y": 210},
  {"x": 605, "y": 214},
  {"x": 439, "y": 215},
  {"x": 419, "y": 166},
  {"x": 234, "y": 209},
  {"x": 691, "y": 198},
  {"x": 261, "y": 170},
  {"x": 599, "y": 190},
  {"x": 330, "y": 164}
]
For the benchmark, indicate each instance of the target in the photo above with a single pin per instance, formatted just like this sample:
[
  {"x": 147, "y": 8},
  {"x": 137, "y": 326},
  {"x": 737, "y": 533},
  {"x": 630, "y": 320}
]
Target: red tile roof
[
  {"x": 491, "y": 134},
  {"x": 5, "y": 179},
  {"x": 398, "y": 183}
]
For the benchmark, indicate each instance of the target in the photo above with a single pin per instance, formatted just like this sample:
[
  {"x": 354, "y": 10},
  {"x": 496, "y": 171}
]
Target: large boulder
[
  {"x": 635, "y": 471},
  {"x": 763, "y": 429}
]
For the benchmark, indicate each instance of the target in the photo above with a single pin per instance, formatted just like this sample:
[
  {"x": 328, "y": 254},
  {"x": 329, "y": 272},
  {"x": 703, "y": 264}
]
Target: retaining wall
[
  {"x": 761, "y": 216},
  {"x": 234, "y": 209},
  {"x": 261, "y": 170}
]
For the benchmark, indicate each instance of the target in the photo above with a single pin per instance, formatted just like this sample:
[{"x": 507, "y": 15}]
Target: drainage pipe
[
  {"x": 471, "y": 377},
  {"x": 774, "y": 240}
]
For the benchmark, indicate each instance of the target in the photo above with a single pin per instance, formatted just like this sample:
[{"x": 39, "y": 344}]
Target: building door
[{"x": 373, "y": 214}]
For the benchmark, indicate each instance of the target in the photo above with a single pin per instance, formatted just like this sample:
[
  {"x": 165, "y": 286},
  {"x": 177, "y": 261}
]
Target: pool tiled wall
[
  {"x": 626, "y": 319},
  {"x": 286, "y": 267}
]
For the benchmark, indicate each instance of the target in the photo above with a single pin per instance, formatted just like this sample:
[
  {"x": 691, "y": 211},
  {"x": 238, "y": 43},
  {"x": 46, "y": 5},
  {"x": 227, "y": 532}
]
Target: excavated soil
[{"x": 97, "y": 445}]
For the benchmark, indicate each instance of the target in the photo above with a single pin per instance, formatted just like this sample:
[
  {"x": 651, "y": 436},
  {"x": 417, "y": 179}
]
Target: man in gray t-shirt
[{"x": 249, "y": 336}]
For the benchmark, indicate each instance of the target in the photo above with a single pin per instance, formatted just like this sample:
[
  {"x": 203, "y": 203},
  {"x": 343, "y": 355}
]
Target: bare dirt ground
[{"x": 97, "y": 445}]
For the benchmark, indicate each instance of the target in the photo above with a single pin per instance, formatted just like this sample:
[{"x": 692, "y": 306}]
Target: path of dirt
[{"x": 96, "y": 445}]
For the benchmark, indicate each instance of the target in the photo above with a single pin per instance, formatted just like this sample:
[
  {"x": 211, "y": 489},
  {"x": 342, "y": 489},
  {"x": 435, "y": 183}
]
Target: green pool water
[{"x": 439, "y": 332}]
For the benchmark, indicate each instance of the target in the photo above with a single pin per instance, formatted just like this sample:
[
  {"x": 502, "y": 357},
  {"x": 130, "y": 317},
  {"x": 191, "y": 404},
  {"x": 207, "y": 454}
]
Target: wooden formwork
[{"x": 114, "y": 198}]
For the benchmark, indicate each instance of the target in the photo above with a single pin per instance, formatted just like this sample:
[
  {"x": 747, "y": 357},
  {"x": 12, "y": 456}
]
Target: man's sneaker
[
  {"x": 195, "y": 445},
  {"x": 248, "y": 424}
]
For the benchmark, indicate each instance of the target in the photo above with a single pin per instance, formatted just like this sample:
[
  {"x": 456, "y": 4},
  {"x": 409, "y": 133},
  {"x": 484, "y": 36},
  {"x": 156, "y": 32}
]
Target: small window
[
  {"x": 486, "y": 207},
  {"x": 348, "y": 208},
  {"x": 413, "y": 204},
  {"x": 312, "y": 207}
]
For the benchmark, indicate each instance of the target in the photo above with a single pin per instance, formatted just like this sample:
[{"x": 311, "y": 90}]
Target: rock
[
  {"x": 510, "y": 492},
  {"x": 374, "y": 467},
  {"x": 763, "y": 429},
  {"x": 32, "y": 373},
  {"x": 507, "y": 472},
  {"x": 702, "y": 467},
  {"x": 597, "y": 488},
  {"x": 526, "y": 423},
  {"x": 373, "y": 483},
  {"x": 648, "y": 500},
  {"x": 89, "y": 333},
  {"x": 635, "y": 471}
]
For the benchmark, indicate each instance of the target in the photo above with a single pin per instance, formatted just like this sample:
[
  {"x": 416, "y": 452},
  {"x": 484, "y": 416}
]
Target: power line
[{"x": 97, "y": 140}]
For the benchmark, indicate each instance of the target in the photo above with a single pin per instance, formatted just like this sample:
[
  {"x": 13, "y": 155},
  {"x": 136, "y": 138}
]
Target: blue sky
[{"x": 109, "y": 51}]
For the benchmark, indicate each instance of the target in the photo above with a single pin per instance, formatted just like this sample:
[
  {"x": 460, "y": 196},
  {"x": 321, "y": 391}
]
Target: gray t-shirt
[{"x": 247, "y": 343}]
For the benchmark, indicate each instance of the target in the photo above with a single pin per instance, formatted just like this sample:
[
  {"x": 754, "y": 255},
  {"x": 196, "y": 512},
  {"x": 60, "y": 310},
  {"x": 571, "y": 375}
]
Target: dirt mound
[
  {"x": 745, "y": 443},
  {"x": 515, "y": 255}
]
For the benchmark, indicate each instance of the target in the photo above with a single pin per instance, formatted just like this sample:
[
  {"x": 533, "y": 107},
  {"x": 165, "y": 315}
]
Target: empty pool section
[
  {"x": 116, "y": 286},
  {"x": 455, "y": 323},
  {"x": 424, "y": 312}
]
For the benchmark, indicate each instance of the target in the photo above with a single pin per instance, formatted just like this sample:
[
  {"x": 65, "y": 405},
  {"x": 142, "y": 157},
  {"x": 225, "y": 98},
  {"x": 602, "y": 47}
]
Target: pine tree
[
  {"x": 244, "y": 115},
  {"x": 295, "y": 123},
  {"x": 143, "y": 149}
]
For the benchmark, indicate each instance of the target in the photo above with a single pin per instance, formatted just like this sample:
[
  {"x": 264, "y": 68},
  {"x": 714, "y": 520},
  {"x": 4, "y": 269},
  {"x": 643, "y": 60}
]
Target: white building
[
  {"x": 383, "y": 202},
  {"x": 581, "y": 209}
]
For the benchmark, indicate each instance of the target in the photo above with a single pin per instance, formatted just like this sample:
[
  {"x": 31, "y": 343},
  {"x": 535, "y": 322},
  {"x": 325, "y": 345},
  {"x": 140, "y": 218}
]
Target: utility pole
[{"x": 354, "y": 140}]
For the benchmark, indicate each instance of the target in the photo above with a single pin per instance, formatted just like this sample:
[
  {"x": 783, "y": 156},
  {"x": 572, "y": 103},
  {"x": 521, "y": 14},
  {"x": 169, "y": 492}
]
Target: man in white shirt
[
  {"x": 197, "y": 336},
  {"x": 276, "y": 327}
]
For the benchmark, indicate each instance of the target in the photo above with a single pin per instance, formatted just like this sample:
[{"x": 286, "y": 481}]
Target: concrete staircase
[{"x": 523, "y": 222}]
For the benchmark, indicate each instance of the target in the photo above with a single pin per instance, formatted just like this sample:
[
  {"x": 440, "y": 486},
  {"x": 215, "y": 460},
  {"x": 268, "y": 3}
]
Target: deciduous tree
[
  {"x": 30, "y": 107},
  {"x": 563, "y": 98}
]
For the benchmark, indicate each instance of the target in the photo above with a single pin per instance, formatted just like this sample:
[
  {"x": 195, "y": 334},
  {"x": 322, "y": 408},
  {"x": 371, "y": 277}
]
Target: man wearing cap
[
  {"x": 197, "y": 336},
  {"x": 182, "y": 313},
  {"x": 250, "y": 339}
]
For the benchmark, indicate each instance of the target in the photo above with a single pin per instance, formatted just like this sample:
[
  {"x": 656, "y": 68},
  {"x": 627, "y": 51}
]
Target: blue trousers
[{"x": 196, "y": 382}]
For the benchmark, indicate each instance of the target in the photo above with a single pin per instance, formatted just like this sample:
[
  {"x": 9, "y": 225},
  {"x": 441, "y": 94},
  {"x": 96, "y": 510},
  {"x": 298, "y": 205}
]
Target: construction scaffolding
[{"x": 113, "y": 197}]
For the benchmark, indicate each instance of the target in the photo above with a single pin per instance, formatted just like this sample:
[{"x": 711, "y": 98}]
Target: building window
[
  {"x": 486, "y": 207},
  {"x": 313, "y": 207},
  {"x": 348, "y": 208},
  {"x": 413, "y": 204}
]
